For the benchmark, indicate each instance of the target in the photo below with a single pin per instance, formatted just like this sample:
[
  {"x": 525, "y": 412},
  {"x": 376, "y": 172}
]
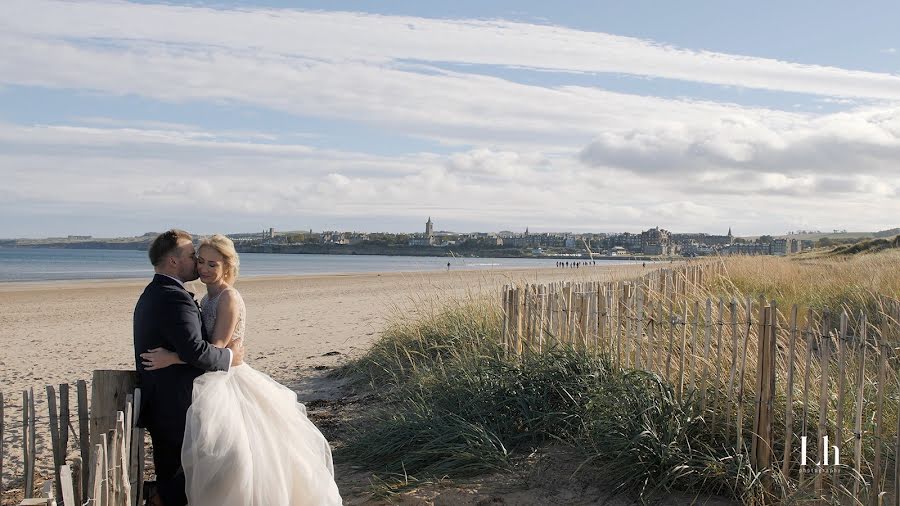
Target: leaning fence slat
[
  {"x": 123, "y": 483},
  {"x": 733, "y": 310},
  {"x": 761, "y": 370},
  {"x": 639, "y": 328},
  {"x": 28, "y": 444},
  {"x": 67, "y": 492},
  {"x": 716, "y": 396},
  {"x": 84, "y": 437},
  {"x": 682, "y": 355},
  {"x": 789, "y": 396},
  {"x": 824, "y": 397},
  {"x": 842, "y": 385},
  {"x": 879, "y": 408},
  {"x": 129, "y": 422},
  {"x": 739, "y": 419},
  {"x": 809, "y": 339},
  {"x": 54, "y": 436},
  {"x": 98, "y": 474},
  {"x": 671, "y": 341},
  {"x": 694, "y": 330},
  {"x": 706, "y": 345},
  {"x": 112, "y": 460},
  {"x": 651, "y": 336},
  {"x": 860, "y": 388},
  {"x": 2, "y": 419},
  {"x": 77, "y": 471}
]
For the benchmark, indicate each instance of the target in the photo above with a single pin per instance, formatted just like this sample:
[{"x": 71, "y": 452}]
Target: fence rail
[{"x": 741, "y": 361}]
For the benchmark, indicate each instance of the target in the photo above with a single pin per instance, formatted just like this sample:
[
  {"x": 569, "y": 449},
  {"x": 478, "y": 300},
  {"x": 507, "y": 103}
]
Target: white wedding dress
[{"x": 248, "y": 442}]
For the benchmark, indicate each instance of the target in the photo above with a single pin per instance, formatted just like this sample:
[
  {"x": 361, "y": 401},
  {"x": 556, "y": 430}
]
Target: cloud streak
[{"x": 380, "y": 40}]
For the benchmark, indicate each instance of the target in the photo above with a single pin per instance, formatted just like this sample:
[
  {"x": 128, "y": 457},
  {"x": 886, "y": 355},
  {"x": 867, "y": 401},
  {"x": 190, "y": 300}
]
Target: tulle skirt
[{"x": 248, "y": 442}]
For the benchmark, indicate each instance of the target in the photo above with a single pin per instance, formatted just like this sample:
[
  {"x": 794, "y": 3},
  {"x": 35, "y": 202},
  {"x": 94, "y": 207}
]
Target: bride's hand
[
  {"x": 237, "y": 351},
  {"x": 159, "y": 358}
]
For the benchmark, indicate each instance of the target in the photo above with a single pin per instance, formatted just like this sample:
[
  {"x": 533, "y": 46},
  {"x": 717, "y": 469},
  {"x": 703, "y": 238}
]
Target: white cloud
[
  {"x": 560, "y": 157},
  {"x": 864, "y": 140},
  {"x": 379, "y": 40},
  {"x": 156, "y": 173}
]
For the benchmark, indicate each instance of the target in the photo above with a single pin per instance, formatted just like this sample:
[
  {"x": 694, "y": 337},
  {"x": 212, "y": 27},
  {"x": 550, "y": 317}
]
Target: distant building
[
  {"x": 779, "y": 247},
  {"x": 657, "y": 241},
  {"x": 427, "y": 239},
  {"x": 751, "y": 249},
  {"x": 704, "y": 239}
]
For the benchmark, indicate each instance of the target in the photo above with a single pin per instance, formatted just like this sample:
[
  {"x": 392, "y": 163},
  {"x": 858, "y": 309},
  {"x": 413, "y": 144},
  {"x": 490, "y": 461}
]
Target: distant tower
[
  {"x": 526, "y": 231},
  {"x": 730, "y": 237},
  {"x": 429, "y": 231}
]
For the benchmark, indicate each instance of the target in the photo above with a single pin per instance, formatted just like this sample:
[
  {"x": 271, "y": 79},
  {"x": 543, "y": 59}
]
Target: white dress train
[{"x": 248, "y": 442}]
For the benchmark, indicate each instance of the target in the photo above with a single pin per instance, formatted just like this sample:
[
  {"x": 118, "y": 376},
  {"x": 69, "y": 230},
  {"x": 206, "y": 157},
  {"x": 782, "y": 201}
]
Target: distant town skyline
[
  {"x": 129, "y": 116},
  {"x": 423, "y": 227}
]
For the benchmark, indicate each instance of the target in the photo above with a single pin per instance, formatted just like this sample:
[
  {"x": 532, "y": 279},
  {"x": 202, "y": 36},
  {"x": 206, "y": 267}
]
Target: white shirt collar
[{"x": 176, "y": 279}]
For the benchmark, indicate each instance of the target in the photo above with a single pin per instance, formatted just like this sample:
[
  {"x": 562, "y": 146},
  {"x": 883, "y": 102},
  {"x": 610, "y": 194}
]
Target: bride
[{"x": 247, "y": 440}]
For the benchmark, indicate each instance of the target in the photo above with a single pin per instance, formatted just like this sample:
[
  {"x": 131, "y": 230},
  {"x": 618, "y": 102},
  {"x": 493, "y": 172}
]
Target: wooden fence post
[
  {"x": 694, "y": 330},
  {"x": 123, "y": 445},
  {"x": 824, "y": 396},
  {"x": 720, "y": 322},
  {"x": 78, "y": 492},
  {"x": 766, "y": 374},
  {"x": 706, "y": 344},
  {"x": 879, "y": 408},
  {"x": 860, "y": 388},
  {"x": 732, "y": 308},
  {"x": 54, "y": 437},
  {"x": 66, "y": 491},
  {"x": 739, "y": 419},
  {"x": 108, "y": 394},
  {"x": 2, "y": 419},
  {"x": 28, "y": 445},
  {"x": 97, "y": 492},
  {"x": 136, "y": 456},
  {"x": 789, "y": 397},
  {"x": 639, "y": 327},
  {"x": 84, "y": 432},
  {"x": 842, "y": 384},
  {"x": 671, "y": 339},
  {"x": 683, "y": 354}
]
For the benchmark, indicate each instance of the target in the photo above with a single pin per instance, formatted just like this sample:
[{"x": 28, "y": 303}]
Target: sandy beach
[{"x": 59, "y": 332}]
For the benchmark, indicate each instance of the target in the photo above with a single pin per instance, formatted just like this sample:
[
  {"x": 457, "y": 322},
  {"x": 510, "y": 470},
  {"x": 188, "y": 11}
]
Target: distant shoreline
[{"x": 356, "y": 250}]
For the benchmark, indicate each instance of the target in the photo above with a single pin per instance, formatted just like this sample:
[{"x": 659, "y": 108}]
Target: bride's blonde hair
[{"x": 225, "y": 247}]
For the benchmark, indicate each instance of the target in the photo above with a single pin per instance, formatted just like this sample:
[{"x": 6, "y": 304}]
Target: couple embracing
[{"x": 223, "y": 433}]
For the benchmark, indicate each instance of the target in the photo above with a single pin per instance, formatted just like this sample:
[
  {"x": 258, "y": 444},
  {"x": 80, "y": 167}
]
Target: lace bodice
[{"x": 208, "y": 309}]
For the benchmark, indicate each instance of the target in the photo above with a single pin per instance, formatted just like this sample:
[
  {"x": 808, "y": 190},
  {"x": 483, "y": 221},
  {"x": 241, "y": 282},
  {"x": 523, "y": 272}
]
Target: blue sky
[{"x": 119, "y": 118}]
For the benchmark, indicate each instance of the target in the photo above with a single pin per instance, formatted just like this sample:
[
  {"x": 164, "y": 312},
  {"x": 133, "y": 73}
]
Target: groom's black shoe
[{"x": 151, "y": 495}]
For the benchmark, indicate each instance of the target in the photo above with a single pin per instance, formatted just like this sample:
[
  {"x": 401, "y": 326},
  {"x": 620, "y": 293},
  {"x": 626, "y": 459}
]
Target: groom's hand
[{"x": 237, "y": 351}]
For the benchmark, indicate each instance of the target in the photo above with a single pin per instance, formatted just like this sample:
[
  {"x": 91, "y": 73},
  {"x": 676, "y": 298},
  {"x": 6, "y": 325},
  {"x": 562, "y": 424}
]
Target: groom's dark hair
[{"x": 165, "y": 243}]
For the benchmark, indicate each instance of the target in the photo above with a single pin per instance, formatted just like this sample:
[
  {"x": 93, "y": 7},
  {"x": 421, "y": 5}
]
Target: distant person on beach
[
  {"x": 246, "y": 439},
  {"x": 448, "y": 266}
]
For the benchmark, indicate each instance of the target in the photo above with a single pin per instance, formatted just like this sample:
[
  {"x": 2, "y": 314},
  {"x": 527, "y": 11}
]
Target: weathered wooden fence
[
  {"x": 796, "y": 391},
  {"x": 108, "y": 442}
]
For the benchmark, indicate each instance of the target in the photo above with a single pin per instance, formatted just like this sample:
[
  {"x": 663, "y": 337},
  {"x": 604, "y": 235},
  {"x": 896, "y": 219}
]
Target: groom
[{"x": 166, "y": 316}]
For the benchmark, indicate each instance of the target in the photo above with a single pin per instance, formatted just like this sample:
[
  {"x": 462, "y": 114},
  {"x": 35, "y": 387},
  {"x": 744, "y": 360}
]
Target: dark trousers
[{"x": 167, "y": 460}]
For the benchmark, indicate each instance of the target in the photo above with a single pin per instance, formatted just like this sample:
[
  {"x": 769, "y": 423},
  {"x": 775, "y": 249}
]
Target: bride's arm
[{"x": 227, "y": 315}]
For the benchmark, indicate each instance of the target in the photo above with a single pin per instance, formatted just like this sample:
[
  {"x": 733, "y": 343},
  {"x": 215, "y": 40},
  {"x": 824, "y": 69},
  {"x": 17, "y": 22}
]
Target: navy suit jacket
[{"x": 166, "y": 316}]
